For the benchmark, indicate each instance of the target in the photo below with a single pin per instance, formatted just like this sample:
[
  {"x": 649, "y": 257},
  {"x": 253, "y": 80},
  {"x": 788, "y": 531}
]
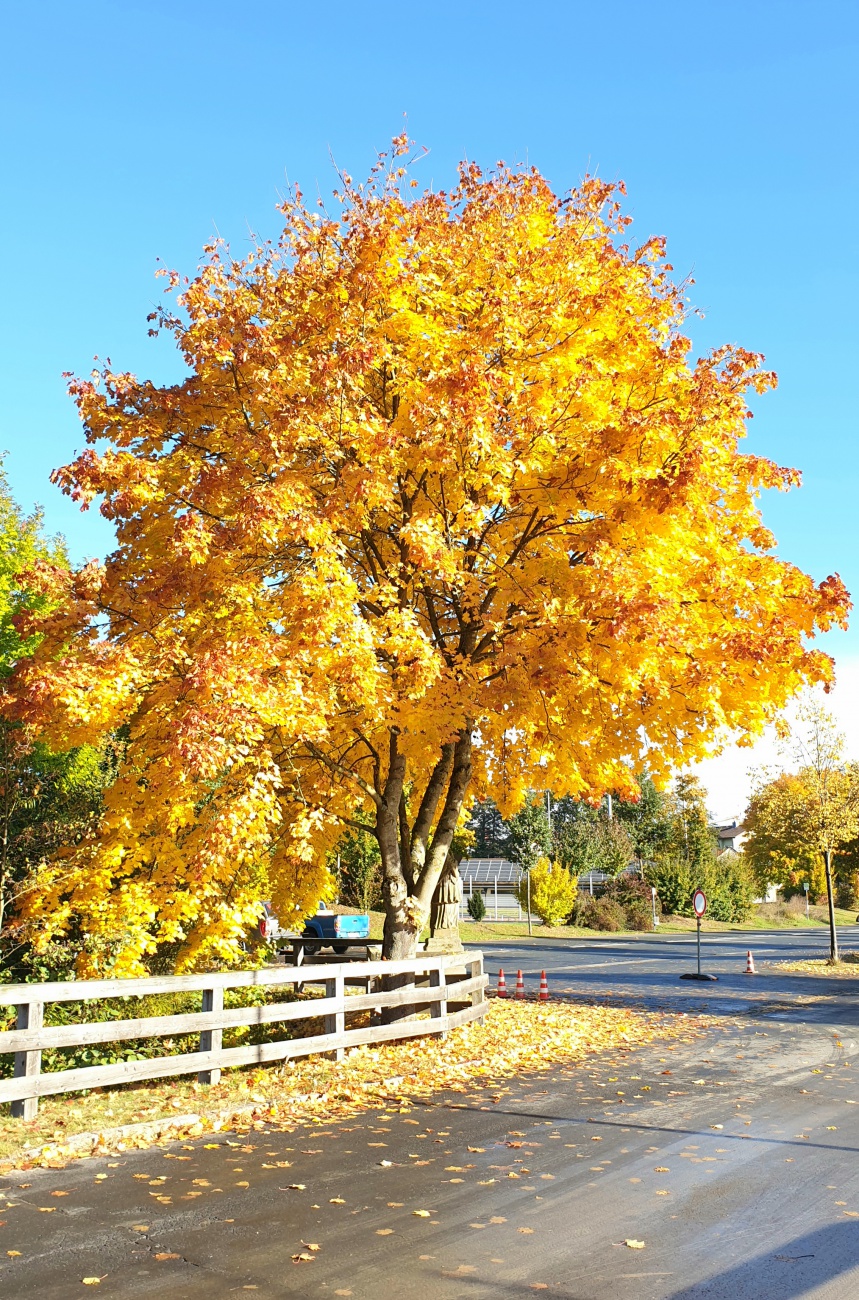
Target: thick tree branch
[
  {"x": 426, "y": 813},
  {"x": 441, "y": 841}
]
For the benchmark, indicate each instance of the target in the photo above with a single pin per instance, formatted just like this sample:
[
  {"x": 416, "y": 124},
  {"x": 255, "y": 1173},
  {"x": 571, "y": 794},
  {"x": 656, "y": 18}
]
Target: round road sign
[{"x": 699, "y": 902}]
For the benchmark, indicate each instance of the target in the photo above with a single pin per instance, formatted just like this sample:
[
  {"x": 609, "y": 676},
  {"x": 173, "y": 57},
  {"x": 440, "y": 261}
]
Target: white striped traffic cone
[
  {"x": 520, "y": 985},
  {"x": 750, "y": 963},
  {"x": 544, "y": 987},
  {"x": 502, "y": 985}
]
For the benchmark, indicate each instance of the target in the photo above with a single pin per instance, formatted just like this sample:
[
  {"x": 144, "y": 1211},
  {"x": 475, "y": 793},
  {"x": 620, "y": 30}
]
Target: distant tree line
[{"x": 665, "y": 834}]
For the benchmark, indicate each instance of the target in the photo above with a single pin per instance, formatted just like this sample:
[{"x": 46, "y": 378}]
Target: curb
[
  {"x": 98, "y": 1143},
  {"x": 172, "y": 1127}
]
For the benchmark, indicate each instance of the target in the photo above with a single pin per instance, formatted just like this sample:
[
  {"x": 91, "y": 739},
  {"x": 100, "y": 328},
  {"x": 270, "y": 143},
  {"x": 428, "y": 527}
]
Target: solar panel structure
[{"x": 486, "y": 871}]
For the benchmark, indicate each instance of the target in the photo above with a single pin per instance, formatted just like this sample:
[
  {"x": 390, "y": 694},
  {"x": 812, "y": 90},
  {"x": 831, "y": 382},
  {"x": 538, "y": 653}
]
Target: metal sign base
[{"x": 697, "y": 975}]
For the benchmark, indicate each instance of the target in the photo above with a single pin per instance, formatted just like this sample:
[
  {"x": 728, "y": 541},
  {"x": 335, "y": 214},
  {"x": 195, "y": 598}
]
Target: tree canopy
[
  {"x": 442, "y": 505},
  {"x": 800, "y": 819},
  {"x": 46, "y": 799}
]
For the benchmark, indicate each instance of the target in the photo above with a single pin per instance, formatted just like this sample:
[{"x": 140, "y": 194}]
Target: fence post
[
  {"x": 211, "y": 1039},
  {"x": 438, "y": 1010},
  {"x": 28, "y": 1065},
  {"x": 335, "y": 1023},
  {"x": 478, "y": 997}
]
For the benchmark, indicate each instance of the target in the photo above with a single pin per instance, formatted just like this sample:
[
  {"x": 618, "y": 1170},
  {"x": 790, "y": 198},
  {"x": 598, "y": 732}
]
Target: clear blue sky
[{"x": 134, "y": 131}]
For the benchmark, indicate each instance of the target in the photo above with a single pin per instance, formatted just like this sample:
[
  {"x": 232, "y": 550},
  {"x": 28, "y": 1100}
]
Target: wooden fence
[{"x": 451, "y": 987}]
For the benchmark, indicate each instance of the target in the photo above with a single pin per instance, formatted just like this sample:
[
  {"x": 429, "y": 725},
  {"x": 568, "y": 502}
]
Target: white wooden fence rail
[{"x": 434, "y": 982}]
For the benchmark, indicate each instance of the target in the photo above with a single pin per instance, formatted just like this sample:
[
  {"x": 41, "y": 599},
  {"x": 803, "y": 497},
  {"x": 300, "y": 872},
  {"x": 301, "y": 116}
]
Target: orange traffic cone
[
  {"x": 544, "y": 987},
  {"x": 520, "y": 985},
  {"x": 502, "y": 985},
  {"x": 750, "y": 963}
]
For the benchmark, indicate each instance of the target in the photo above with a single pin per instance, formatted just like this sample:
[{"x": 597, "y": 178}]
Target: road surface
[{"x": 731, "y": 1156}]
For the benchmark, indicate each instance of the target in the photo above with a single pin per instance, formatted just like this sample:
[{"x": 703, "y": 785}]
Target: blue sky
[{"x": 132, "y": 132}]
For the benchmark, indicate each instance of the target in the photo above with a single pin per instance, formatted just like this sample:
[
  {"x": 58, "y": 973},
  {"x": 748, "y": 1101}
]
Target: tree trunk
[
  {"x": 833, "y": 933},
  {"x": 409, "y": 882}
]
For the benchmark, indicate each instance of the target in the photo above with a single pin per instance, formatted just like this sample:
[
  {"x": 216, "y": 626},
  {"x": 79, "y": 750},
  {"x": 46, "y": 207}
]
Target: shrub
[
  {"x": 476, "y": 906},
  {"x": 732, "y": 888},
  {"x": 600, "y": 913},
  {"x": 846, "y": 893},
  {"x": 728, "y": 883},
  {"x": 553, "y": 892},
  {"x": 674, "y": 884},
  {"x": 639, "y": 916}
]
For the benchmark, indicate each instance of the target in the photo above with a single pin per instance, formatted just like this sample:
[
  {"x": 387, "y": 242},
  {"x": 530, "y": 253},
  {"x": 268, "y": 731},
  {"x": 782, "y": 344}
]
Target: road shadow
[{"x": 793, "y": 1270}]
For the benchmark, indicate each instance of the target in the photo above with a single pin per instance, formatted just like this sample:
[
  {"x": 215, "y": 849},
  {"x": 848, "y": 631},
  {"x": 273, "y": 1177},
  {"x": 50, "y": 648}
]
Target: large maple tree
[{"x": 442, "y": 507}]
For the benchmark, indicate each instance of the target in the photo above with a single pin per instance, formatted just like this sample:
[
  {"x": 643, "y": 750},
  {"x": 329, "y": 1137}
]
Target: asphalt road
[
  {"x": 731, "y": 1156},
  {"x": 646, "y": 970}
]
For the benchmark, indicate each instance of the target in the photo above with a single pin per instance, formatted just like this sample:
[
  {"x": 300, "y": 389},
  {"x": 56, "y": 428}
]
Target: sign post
[
  {"x": 699, "y": 907},
  {"x": 805, "y": 887}
]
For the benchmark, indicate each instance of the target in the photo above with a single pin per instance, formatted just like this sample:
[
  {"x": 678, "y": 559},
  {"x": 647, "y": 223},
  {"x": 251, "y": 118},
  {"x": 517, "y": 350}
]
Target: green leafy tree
[
  {"x": 40, "y": 793},
  {"x": 692, "y": 840},
  {"x": 491, "y": 835},
  {"x": 530, "y": 836},
  {"x": 357, "y": 864},
  {"x": 594, "y": 844},
  {"x": 649, "y": 822}
]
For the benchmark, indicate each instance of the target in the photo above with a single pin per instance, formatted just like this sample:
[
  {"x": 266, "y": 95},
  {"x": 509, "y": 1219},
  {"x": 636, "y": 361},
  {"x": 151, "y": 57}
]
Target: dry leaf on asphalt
[
  {"x": 633, "y": 1244},
  {"x": 515, "y": 1037}
]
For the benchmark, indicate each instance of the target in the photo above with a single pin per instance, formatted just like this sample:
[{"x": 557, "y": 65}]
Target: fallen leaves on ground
[
  {"x": 822, "y": 966},
  {"x": 515, "y": 1037},
  {"x": 633, "y": 1244}
]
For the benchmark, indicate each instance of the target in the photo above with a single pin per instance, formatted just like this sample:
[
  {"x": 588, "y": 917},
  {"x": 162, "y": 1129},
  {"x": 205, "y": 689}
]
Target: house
[{"x": 730, "y": 835}]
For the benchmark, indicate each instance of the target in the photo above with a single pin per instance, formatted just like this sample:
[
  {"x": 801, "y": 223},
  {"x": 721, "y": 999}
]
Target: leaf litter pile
[
  {"x": 516, "y": 1038},
  {"x": 848, "y": 966}
]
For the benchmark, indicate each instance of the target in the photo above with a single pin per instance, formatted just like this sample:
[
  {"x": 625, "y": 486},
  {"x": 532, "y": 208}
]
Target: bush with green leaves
[
  {"x": 600, "y": 913},
  {"x": 674, "y": 884},
  {"x": 476, "y": 906},
  {"x": 727, "y": 881},
  {"x": 635, "y": 897},
  {"x": 357, "y": 864}
]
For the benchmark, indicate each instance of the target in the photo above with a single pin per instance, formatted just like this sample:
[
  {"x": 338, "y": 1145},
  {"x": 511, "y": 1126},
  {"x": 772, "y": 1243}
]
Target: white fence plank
[
  {"x": 85, "y": 990},
  {"x": 174, "y": 1026},
  {"x": 443, "y": 986}
]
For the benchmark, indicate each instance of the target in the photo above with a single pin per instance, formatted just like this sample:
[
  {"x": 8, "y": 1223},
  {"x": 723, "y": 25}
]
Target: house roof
[{"x": 730, "y": 832}]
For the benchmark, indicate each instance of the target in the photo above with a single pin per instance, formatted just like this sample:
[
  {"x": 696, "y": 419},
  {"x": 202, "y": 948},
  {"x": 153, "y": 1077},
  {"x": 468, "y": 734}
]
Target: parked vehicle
[{"x": 335, "y": 930}]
